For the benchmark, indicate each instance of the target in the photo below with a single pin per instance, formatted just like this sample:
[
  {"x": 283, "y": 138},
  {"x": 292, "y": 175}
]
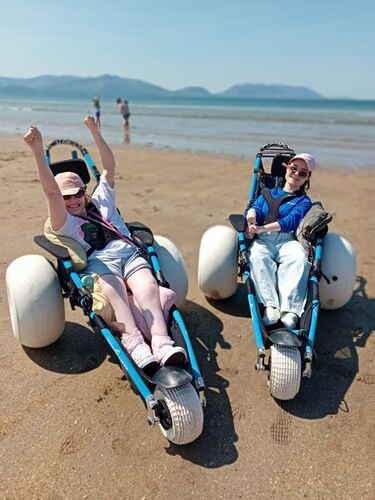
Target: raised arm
[
  {"x": 106, "y": 155},
  {"x": 56, "y": 205}
]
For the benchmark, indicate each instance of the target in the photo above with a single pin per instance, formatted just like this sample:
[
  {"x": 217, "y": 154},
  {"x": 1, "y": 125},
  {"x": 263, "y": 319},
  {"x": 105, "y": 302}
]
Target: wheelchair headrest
[
  {"x": 277, "y": 169},
  {"x": 77, "y": 166}
]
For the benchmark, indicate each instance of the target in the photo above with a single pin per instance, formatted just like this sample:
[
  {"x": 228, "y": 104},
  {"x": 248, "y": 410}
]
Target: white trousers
[{"x": 280, "y": 270}]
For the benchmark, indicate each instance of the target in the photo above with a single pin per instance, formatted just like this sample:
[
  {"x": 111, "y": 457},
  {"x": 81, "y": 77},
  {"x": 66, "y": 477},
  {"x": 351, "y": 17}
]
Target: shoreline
[{"x": 6, "y": 140}]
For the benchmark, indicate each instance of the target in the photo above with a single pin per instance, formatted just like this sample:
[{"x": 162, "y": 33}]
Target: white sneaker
[
  {"x": 166, "y": 353},
  {"x": 138, "y": 349},
  {"x": 271, "y": 316},
  {"x": 290, "y": 320}
]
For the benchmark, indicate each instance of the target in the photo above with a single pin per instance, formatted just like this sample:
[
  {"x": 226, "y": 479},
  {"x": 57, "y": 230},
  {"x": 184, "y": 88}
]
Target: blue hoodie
[{"x": 290, "y": 213}]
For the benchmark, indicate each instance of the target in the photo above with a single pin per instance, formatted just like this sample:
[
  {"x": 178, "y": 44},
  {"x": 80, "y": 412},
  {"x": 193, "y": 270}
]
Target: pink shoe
[
  {"x": 136, "y": 346},
  {"x": 166, "y": 353}
]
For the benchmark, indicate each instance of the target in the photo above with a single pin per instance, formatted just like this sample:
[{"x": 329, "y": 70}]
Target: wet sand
[{"x": 71, "y": 427}]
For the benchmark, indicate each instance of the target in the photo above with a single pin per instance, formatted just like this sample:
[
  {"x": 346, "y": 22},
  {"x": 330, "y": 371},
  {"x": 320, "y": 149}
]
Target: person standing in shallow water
[
  {"x": 116, "y": 260},
  {"x": 124, "y": 110},
  {"x": 96, "y": 103}
]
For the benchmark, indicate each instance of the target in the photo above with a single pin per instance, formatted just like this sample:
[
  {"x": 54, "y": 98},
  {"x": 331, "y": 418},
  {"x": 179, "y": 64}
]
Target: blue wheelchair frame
[
  {"x": 85, "y": 155},
  {"x": 304, "y": 338},
  {"x": 80, "y": 296}
]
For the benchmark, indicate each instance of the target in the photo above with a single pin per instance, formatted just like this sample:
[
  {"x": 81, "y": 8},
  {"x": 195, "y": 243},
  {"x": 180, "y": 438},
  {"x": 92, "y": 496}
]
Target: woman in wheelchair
[
  {"x": 96, "y": 224},
  {"x": 279, "y": 264}
]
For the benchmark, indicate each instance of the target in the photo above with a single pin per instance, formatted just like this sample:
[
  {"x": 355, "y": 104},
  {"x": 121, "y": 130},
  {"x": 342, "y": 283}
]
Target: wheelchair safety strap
[
  {"x": 274, "y": 204},
  {"x": 110, "y": 231}
]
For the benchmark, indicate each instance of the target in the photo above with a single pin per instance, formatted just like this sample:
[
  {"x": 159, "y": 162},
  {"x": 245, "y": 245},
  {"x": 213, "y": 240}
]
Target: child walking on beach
[{"x": 116, "y": 260}]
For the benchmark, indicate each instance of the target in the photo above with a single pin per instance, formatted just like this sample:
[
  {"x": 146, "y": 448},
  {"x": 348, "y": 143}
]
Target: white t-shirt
[{"x": 81, "y": 230}]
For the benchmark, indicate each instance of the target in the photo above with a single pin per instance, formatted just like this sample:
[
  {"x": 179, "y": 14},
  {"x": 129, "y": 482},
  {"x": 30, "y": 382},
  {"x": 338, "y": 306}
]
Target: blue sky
[{"x": 327, "y": 45}]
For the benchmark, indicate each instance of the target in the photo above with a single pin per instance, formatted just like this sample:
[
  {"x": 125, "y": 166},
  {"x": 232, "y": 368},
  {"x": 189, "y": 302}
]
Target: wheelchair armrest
[
  {"x": 238, "y": 222},
  {"x": 56, "y": 250},
  {"x": 141, "y": 232}
]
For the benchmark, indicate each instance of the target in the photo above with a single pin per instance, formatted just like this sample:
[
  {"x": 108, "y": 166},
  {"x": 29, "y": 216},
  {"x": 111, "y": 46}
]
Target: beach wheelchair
[
  {"x": 286, "y": 355},
  {"x": 36, "y": 289}
]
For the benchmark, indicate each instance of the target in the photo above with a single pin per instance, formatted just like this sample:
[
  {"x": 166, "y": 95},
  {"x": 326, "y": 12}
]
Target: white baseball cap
[{"x": 308, "y": 159}]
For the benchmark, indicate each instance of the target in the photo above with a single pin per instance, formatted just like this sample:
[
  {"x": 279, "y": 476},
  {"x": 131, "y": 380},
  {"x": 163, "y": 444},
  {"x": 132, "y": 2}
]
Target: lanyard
[{"x": 92, "y": 217}]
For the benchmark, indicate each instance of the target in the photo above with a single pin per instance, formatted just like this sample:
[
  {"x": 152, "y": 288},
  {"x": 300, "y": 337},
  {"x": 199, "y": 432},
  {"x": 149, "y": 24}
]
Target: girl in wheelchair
[
  {"x": 97, "y": 225},
  {"x": 279, "y": 264}
]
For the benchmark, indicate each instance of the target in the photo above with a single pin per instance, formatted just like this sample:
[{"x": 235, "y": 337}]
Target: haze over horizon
[{"x": 210, "y": 44}]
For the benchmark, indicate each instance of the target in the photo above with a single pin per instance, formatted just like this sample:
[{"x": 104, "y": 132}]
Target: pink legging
[{"x": 145, "y": 311}]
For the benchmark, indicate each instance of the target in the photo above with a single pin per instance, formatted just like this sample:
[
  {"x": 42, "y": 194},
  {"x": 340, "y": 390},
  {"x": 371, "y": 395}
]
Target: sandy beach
[{"x": 71, "y": 428}]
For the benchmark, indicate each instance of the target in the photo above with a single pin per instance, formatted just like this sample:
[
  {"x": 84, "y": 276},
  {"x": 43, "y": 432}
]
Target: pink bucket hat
[
  {"x": 308, "y": 159},
  {"x": 69, "y": 182}
]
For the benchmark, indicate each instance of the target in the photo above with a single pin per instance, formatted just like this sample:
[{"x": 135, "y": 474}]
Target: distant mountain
[
  {"x": 192, "y": 92},
  {"x": 111, "y": 86},
  {"x": 107, "y": 86},
  {"x": 262, "y": 91},
  {"x": 38, "y": 82}
]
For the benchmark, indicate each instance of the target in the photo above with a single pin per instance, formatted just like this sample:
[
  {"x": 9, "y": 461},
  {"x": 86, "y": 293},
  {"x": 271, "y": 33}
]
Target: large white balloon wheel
[
  {"x": 218, "y": 263},
  {"x": 339, "y": 267},
  {"x": 35, "y": 300},
  {"x": 285, "y": 371},
  {"x": 182, "y": 413},
  {"x": 173, "y": 267}
]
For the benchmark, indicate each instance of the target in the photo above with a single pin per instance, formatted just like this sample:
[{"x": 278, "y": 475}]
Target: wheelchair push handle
[
  {"x": 85, "y": 154},
  {"x": 275, "y": 148}
]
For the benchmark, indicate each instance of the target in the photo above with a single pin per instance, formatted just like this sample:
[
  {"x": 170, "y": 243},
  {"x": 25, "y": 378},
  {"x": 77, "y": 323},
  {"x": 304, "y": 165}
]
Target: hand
[
  {"x": 250, "y": 231},
  {"x": 259, "y": 229},
  {"x": 251, "y": 219},
  {"x": 253, "y": 229},
  {"x": 33, "y": 139},
  {"x": 91, "y": 124},
  {"x": 251, "y": 222}
]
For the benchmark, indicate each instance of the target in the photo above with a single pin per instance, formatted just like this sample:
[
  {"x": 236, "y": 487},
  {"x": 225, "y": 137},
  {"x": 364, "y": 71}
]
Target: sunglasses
[
  {"x": 301, "y": 173},
  {"x": 80, "y": 193}
]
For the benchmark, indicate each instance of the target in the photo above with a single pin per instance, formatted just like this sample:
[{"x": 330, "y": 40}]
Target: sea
[{"x": 337, "y": 132}]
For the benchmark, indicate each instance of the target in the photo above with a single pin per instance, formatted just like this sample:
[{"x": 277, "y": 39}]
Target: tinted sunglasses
[
  {"x": 79, "y": 194},
  {"x": 301, "y": 173}
]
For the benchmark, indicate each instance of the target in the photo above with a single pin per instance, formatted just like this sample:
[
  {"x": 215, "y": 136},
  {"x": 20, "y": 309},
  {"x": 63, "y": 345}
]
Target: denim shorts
[{"x": 123, "y": 267}]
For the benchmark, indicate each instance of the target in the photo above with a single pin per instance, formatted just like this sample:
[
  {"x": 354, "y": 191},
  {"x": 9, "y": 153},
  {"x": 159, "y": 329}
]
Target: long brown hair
[{"x": 305, "y": 186}]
